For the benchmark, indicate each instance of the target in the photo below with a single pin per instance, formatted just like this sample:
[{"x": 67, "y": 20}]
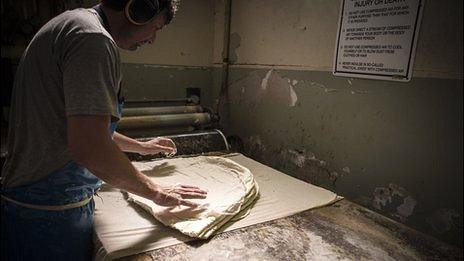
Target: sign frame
[{"x": 378, "y": 76}]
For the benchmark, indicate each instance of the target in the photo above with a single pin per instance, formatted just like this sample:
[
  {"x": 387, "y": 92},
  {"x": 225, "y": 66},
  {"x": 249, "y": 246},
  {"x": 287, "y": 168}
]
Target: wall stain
[
  {"x": 387, "y": 199},
  {"x": 272, "y": 89},
  {"x": 359, "y": 92},
  {"x": 294, "y": 139},
  {"x": 245, "y": 90},
  {"x": 327, "y": 90},
  {"x": 317, "y": 85},
  {"x": 235, "y": 41},
  {"x": 302, "y": 163},
  {"x": 265, "y": 80},
  {"x": 346, "y": 169},
  {"x": 278, "y": 89},
  {"x": 444, "y": 220}
]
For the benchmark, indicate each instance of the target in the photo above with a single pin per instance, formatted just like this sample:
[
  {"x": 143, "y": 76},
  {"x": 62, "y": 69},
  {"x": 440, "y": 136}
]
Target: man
[{"x": 65, "y": 99}]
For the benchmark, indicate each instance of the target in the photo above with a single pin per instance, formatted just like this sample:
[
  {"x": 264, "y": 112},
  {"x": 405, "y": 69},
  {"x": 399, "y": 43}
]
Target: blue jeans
[{"x": 30, "y": 234}]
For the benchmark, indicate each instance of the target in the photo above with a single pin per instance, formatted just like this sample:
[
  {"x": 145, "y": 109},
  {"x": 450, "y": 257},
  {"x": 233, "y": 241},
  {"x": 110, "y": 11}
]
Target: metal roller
[
  {"x": 142, "y": 111},
  {"x": 200, "y": 142},
  {"x": 143, "y": 133},
  {"x": 194, "y": 143},
  {"x": 161, "y": 121}
]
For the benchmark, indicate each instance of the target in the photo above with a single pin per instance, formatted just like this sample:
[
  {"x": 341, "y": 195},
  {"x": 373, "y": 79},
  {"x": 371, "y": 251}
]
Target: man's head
[{"x": 139, "y": 20}]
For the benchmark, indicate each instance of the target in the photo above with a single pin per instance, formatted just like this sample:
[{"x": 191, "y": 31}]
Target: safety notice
[{"x": 377, "y": 38}]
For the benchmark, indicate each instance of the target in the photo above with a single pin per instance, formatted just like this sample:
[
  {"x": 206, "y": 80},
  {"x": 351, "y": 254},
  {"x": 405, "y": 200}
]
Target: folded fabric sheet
[
  {"x": 231, "y": 188},
  {"x": 122, "y": 228}
]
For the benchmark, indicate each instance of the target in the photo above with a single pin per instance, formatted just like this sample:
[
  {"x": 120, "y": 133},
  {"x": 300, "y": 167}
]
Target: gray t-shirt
[{"x": 71, "y": 67}]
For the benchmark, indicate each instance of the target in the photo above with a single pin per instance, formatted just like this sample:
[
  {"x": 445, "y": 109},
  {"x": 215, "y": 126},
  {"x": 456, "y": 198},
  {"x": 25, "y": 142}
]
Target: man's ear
[{"x": 140, "y": 12}]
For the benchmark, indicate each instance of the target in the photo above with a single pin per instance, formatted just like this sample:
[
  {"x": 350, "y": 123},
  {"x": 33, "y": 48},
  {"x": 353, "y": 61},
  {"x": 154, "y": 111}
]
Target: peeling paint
[
  {"x": 334, "y": 176},
  {"x": 407, "y": 208},
  {"x": 346, "y": 169},
  {"x": 293, "y": 97},
  {"x": 397, "y": 190},
  {"x": 301, "y": 162},
  {"x": 444, "y": 220},
  {"x": 383, "y": 197},
  {"x": 265, "y": 80},
  {"x": 327, "y": 90},
  {"x": 272, "y": 89},
  {"x": 299, "y": 158},
  {"x": 278, "y": 89},
  {"x": 315, "y": 101},
  {"x": 294, "y": 82},
  {"x": 318, "y": 85},
  {"x": 359, "y": 92}
]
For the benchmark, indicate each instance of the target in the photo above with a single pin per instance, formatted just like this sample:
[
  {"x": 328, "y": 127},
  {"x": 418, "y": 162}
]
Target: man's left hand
[{"x": 158, "y": 145}]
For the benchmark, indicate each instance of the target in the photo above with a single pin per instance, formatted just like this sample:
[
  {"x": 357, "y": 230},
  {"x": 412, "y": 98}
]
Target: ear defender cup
[{"x": 140, "y": 12}]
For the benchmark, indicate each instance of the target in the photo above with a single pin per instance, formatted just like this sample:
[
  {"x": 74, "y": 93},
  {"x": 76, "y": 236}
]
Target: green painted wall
[
  {"x": 145, "y": 82},
  {"x": 393, "y": 147},
  {"x": 373, "y": 142}
]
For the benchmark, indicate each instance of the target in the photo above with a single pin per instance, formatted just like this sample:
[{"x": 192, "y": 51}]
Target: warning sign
[{"x": 377, "y": 38}]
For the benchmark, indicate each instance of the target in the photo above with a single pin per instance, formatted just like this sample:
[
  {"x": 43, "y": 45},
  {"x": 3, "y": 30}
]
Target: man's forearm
[
  {"x": 126, "y": 144},
  {"x": 153, "y": 146},
  {"x": 106, "y": 161},
  {"x": 91, "y": 146}
]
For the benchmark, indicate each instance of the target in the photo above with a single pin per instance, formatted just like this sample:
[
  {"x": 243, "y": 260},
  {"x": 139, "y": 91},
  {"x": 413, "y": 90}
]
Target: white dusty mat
[{"x": 122, "y": 228}]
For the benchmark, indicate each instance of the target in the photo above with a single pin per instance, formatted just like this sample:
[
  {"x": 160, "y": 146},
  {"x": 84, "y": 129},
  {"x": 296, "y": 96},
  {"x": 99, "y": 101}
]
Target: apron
[
  {"x": 33, "y": 230},
  {"x": 52, "y": 218}
]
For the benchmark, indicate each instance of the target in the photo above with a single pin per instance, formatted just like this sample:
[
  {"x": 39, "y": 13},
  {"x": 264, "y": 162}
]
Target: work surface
[
  {"x": 122, "y": 229},
  {"x": 342, "y": 231}
]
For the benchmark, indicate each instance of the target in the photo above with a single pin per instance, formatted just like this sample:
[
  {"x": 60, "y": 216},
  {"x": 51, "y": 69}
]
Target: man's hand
[
  {"x": 177, "y": 195},
  {"x": 90, "y": 145},
  {"x": 158, "y": 145}
]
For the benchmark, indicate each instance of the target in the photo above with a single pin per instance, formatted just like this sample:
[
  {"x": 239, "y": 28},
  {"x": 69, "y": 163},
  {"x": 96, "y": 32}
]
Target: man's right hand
[
  {"x": 91, "y": 145},
  {"x": 177, "y": 195}
]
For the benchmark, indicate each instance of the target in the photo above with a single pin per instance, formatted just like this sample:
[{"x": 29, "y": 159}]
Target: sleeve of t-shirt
[{"x": 90, "y": 76}]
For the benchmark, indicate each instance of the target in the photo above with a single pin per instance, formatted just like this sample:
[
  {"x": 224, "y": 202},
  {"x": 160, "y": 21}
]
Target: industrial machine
[{"x": 192, "y": 127}]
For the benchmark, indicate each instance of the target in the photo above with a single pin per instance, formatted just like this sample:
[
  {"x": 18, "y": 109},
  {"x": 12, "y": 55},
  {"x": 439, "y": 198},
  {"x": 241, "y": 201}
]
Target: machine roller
[{"x": 190, "y": 127}]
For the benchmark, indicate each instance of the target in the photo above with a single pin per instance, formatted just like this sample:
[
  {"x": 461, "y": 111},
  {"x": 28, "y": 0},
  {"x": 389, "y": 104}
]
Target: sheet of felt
[{"x": 122, "y": 228}]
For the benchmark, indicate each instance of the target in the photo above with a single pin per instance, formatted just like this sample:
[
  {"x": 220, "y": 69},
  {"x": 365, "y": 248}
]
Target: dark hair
[{"x": 167, "y": 7}]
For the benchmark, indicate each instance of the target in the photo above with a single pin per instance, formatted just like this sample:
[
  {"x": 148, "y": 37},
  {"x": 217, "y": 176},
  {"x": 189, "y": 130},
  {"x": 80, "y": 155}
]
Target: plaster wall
[
  {"x": 393, "y": 147},
  {"x": 180, "y": 57},
  {"x": 302, "y": 34}
]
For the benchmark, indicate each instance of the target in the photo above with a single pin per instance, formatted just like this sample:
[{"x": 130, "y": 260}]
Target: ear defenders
[{"x": 140, "y": 12}]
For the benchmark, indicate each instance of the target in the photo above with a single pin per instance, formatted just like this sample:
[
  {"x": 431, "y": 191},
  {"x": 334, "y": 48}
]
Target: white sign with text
[{"x": 377, "y": 38}]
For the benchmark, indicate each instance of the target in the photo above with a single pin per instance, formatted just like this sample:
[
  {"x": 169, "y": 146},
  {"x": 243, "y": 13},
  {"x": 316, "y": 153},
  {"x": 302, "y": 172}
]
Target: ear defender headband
[{"x": 140, "y": 12}]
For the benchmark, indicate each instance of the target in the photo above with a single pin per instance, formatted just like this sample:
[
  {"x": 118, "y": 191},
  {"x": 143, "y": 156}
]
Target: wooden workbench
[{"x": 342, "y": 231}]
